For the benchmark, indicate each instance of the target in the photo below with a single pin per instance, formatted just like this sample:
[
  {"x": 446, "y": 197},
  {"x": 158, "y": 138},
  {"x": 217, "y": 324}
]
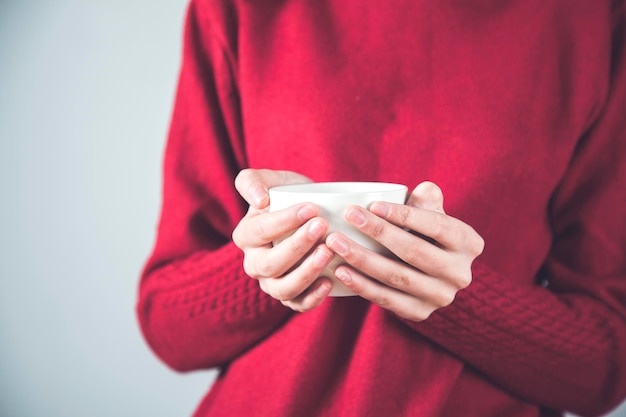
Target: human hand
[
  {"x": 289, "y": 270},
  {"x": 434, "y": 254}
]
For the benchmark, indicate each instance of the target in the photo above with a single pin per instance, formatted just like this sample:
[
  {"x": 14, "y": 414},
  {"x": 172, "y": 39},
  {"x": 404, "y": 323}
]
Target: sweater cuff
[
  {"x": 544, "y": 347},
  {"x": 210, "y": 282},
  {"x": 202, "y": 310}
]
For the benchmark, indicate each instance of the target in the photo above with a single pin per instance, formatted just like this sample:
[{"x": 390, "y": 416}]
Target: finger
[
  {"x": 253, "y": 184},
  {"x": 312, "y": 296},
  {"x": 389, "y": 272},
  {"x": 294, "y": 285},
  {"x": 403, "y": 304},
  {"x": 449, "y": 232},
  {"x": 285, "y": 255},
  {"x": 427, "y": 195},
  {"x": 416, "y": 251},
  {"x": 261, "y": 229}
]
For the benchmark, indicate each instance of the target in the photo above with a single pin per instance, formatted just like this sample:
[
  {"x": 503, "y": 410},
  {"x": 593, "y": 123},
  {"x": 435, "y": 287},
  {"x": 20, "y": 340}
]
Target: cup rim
[{"x": 340, "y": 187}]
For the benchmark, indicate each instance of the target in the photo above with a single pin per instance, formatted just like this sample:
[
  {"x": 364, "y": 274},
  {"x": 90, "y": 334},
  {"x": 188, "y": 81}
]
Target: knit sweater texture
[{"x": 515, "y": 108}]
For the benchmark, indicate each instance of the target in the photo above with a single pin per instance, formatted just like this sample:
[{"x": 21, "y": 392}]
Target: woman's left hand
[{"x": 434, "y": 254}]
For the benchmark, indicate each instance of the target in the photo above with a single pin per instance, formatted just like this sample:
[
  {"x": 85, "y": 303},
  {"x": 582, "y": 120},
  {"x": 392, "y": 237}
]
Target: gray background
[{"x": 86, "y": 89}]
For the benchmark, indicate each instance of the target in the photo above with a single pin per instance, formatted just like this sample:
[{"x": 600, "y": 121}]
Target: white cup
[{"x": 333, "y": 198}]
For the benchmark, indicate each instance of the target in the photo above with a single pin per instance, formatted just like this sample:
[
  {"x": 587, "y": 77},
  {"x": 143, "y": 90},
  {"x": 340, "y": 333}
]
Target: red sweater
[{"x": 516, "y": 108}]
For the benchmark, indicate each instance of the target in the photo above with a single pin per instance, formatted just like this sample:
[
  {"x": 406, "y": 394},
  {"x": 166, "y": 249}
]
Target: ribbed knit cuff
[
  {"x": 525, "y": 338},
  {"x": 202, "y": 311},
  {"x": 211, "y": 282}
]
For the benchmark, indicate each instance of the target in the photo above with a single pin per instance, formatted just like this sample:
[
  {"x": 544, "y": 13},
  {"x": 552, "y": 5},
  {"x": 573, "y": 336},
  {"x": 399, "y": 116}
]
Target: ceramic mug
[{"x": 332, "y": 199}]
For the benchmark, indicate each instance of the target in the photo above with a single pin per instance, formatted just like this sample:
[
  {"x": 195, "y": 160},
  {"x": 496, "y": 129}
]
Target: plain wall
[{"x": 86, "y": 90}]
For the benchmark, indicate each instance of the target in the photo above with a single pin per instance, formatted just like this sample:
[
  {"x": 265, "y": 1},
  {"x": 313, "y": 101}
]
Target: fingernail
[
  {"x": 380, "y": 209},
  {"x": 306, "y": 212},
  {"x": 257, "y": 193},
  {"x": 355, "y": 216},
  {"x": 343, "y": 276},
  {"x": 315, "y": 229},
  {"x": 339, "y": 245},
  {"x": 323, "y": 289},
  {"x": 321, "y": 257}
]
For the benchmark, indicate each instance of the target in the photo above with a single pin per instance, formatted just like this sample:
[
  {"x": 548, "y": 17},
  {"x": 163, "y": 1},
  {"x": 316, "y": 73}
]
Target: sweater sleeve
[
  {"x": 561, "y": 344},
  {"x": 196, "y": 307}
]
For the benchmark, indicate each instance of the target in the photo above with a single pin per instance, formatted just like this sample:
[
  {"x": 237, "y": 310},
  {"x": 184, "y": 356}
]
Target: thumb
[
  {"x": 427, "y": 195},
  {"x": 253, "y": 184}
]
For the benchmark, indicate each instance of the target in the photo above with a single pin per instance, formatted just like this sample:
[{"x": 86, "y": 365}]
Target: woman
[{"x": 510, "y": 302}]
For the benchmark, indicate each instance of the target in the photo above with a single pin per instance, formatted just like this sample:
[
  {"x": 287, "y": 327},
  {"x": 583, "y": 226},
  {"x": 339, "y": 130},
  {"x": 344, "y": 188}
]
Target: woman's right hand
[{"x": 289, "y": 270}]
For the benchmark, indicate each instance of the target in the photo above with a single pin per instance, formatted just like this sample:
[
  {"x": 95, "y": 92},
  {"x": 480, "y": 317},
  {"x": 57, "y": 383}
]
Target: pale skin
[{"x": 433, "y": 251}]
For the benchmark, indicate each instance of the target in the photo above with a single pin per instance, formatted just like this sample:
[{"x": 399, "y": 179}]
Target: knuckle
[
  {"x": 381, "y": 300},
  {"x": 276, "y": 289},
  {"x": 465, "y": 279},
  {"x": 241, "y": 232},
  {"x": 434, "y": 192},
  {"x": 299, "y": 246},
  {"x": 260, "y": 231},
  {"x": 306, "y": 305},
  {"x": 300, "y": 307},
  {"x": 461, "y": 235},
  {"x": 423, "y": 314},
  {"x": 285, "y": 294},
  {"x": 354, "y": 258},
  {"x": 248, "y": 267},
  {"x": 357, "y": 288},
  {"x": 403, "y": 214},
  {"x": 415, "y": 252},
  {"x": 459, "y": 276},
  {"x": 478, "y": 245},
  {"x": 294, "y": 306},
  {"x": 239, "y": 235},
  {"x": 377, "y": 229},
  {"x": 416, "y": 313},
  {"x": 447, "y": 268},
  {"x": 439, "y": 227},
  {"x": 470, "y": 240},
  {"x": 265, "y": 267},
  {"x": 444, "y": 298},
  {"x": 242, "y": 178},
  {"x": 236, "y": 237},
  {"x": 263, "y": 286},
  {"x": 398, "y": 279}
]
